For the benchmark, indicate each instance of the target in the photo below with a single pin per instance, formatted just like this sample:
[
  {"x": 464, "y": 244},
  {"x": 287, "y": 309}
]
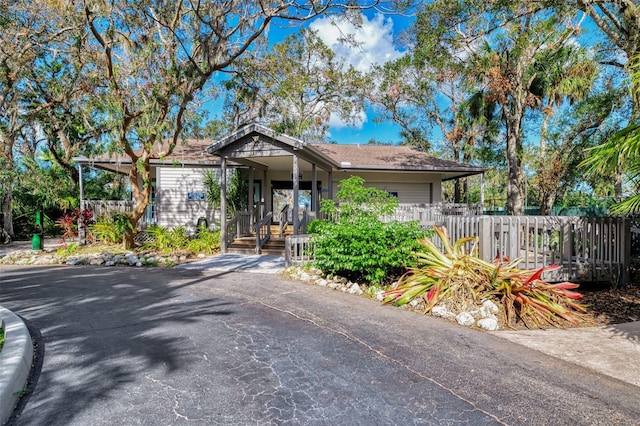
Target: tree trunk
[
  {"x": 456, "y": 191},
  {"x": 515, "y": 174},
  {"x": 7, "y": 184},
  {"x": 7, "y": 204},
  {"x": 140, "y": 190},
  {"x": 547, "y": 199}
]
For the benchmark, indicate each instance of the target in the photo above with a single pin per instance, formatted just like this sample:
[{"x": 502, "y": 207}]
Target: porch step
[
  {"x": 275, "y": 229},
  {"x": 247, "y": 245}
]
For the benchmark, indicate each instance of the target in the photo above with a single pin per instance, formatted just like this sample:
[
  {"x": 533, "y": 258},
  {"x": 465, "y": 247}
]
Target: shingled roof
[
  {"x": 186, "y": 152},
  {"x": 390, "y": 157}
]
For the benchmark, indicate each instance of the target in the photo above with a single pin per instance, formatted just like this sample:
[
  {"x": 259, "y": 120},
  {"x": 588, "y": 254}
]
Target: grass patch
[{"x": 1, "y": 338}]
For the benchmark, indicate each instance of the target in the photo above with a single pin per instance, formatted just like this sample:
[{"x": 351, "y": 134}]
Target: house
[
  {"x": 282, "y": 171},
  {"x": 178, "y": 190},
  {"x": 285, "y": 171}
]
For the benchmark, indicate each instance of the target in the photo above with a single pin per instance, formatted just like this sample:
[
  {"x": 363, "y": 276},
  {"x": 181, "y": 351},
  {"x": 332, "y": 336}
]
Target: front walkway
[{"x": 233, "y": 262}]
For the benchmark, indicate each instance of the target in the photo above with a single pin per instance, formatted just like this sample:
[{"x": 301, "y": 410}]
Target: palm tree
[
  {"x": 566, "y": 74},
  {"x": 621, "y": 152}
]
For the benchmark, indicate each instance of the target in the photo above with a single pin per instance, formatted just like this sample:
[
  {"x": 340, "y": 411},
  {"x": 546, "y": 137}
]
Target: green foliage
[
  {"x": 458, "y": 278},
  {"x": 237, "y": 191},
  {"x": 110, "y": 228},
  {"x": 359, "y": 244},
  {"x": 177, "y": 239},
  {"x": 167, "y": 241},
  {"x": 69, "y": 250},
  {"x": 356, "y": 200},
  {"x": 206, "y": 241}
]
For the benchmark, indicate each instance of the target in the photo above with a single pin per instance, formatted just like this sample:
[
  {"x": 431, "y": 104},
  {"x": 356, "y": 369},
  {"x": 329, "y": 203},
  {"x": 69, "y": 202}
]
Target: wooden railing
[
  {"x": 104, "y": 207},
  {"x": 307, "y": 216},
  {"x": 263, "y": 231},
  {"x": 298, "y": 250},
  {"x": 587, "y": 249},
  {"x": 244, "y": 224},
  {"x": 429, "y": 214},
  {"x": 232, "y": 230},
  {"x": 283, "y": 218}
]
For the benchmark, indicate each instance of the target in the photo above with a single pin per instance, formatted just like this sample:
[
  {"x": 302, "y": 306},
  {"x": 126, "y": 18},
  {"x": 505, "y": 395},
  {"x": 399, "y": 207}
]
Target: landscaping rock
[
  {"x": 465, "y": 318},
  {"x": 443, "y": 312},
  {"x": 489, "y": 324}
]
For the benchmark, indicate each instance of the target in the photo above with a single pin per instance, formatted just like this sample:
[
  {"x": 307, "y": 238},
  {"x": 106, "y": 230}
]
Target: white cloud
[
  {"x": 336, "y": 122},
  {"x": 373, "y": 46},
  {"x": 374, "y": 40}
]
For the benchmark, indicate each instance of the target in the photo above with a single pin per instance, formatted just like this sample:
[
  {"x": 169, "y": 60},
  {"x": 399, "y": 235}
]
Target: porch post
[
  {"x": 223, "y": 204},
  {"x": 264, "y": 209},
  {"x": 251, "y": 196},
  {"x": 482, "y": 186},
  {"x": 330, "y": 189},
  {"x": 296, "y": 191},
  {"x": 82, "y": 232},
  {"x": 314, "y": 189}
]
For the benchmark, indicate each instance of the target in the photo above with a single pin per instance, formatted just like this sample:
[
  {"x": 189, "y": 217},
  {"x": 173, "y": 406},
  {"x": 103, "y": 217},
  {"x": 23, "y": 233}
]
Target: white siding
[
  {"x": 412, "y": 188},
  {"x": 173, "y": 184}
]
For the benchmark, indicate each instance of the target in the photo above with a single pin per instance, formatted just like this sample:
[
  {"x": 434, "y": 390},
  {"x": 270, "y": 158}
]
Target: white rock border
[{"x": 484, "y": 318}]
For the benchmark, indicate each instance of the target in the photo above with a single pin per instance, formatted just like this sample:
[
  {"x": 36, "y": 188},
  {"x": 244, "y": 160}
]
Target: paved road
[{"x": 126, "y": 346}]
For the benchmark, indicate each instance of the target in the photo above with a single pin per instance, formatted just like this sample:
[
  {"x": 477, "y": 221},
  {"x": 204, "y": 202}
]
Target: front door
[{"x": 282, "y": 194}]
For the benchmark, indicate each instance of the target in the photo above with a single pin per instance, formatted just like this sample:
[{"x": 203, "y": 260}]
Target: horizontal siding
[
  {"x": 408, "y": 193},
  {"x": 173, "y": 207}
]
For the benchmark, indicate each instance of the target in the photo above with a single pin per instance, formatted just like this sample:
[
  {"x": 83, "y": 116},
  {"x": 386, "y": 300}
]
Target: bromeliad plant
[{"x": 459, "y": 279}]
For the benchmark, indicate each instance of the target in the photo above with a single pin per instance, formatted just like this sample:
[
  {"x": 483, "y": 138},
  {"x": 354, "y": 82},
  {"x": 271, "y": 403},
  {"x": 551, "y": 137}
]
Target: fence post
[
  {"x": 513, "y": 238},
  {"x": 287, "y": 251},
  {"x": 486, "y": 236},
  {"x": 624, "y": 226}
]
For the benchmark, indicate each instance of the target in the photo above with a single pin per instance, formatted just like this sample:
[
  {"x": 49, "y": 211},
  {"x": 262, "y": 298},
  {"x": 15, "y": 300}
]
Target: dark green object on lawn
[{"x": 37, "y": 242}]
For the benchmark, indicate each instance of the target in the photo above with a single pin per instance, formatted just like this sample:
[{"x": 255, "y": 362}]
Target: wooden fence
[
  {"x": 104, "y": 207},
  {"x": 587, "y": 249}
]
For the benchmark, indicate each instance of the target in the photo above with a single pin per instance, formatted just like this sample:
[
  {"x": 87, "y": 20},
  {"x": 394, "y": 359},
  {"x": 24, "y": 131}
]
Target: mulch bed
[{"x": 612, "y": 306}]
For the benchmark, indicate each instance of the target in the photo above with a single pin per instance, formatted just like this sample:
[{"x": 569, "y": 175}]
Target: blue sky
[
  {"x": 377, "y": 36},
  {"x": 378, "y": 44}
]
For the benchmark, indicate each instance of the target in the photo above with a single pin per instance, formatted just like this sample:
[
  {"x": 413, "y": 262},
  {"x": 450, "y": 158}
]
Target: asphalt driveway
[{"x": 125, "y": 346}]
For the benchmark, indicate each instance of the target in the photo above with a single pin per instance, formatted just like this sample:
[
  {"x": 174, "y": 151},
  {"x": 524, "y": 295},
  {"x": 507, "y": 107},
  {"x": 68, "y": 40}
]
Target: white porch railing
[{"x": 587, "y": 249}]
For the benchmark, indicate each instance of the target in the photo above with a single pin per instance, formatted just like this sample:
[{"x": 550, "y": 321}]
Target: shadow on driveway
[{"x": 102, "y": 335}]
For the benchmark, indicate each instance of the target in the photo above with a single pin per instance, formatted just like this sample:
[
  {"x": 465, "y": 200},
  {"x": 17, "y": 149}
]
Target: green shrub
[
  {"x": 110, "y": 228},
  {"x": 359, "y": 245},
  {"x": 206, "y": 241},
  {"x": 167, "y": 241}
]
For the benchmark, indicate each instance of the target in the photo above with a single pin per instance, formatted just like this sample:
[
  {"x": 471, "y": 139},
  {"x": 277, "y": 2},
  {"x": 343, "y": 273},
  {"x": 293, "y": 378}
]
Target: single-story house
[{"x": 283, "y": 170}]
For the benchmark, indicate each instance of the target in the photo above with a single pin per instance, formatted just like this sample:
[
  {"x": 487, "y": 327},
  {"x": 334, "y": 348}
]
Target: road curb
[{"x": 16, "y": 358}]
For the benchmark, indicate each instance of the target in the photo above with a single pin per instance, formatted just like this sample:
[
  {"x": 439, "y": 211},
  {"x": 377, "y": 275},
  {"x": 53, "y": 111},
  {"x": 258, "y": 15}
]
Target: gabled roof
[
  {"x": 255, "y": 128},
  {"x": 390, "y": 158}
]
